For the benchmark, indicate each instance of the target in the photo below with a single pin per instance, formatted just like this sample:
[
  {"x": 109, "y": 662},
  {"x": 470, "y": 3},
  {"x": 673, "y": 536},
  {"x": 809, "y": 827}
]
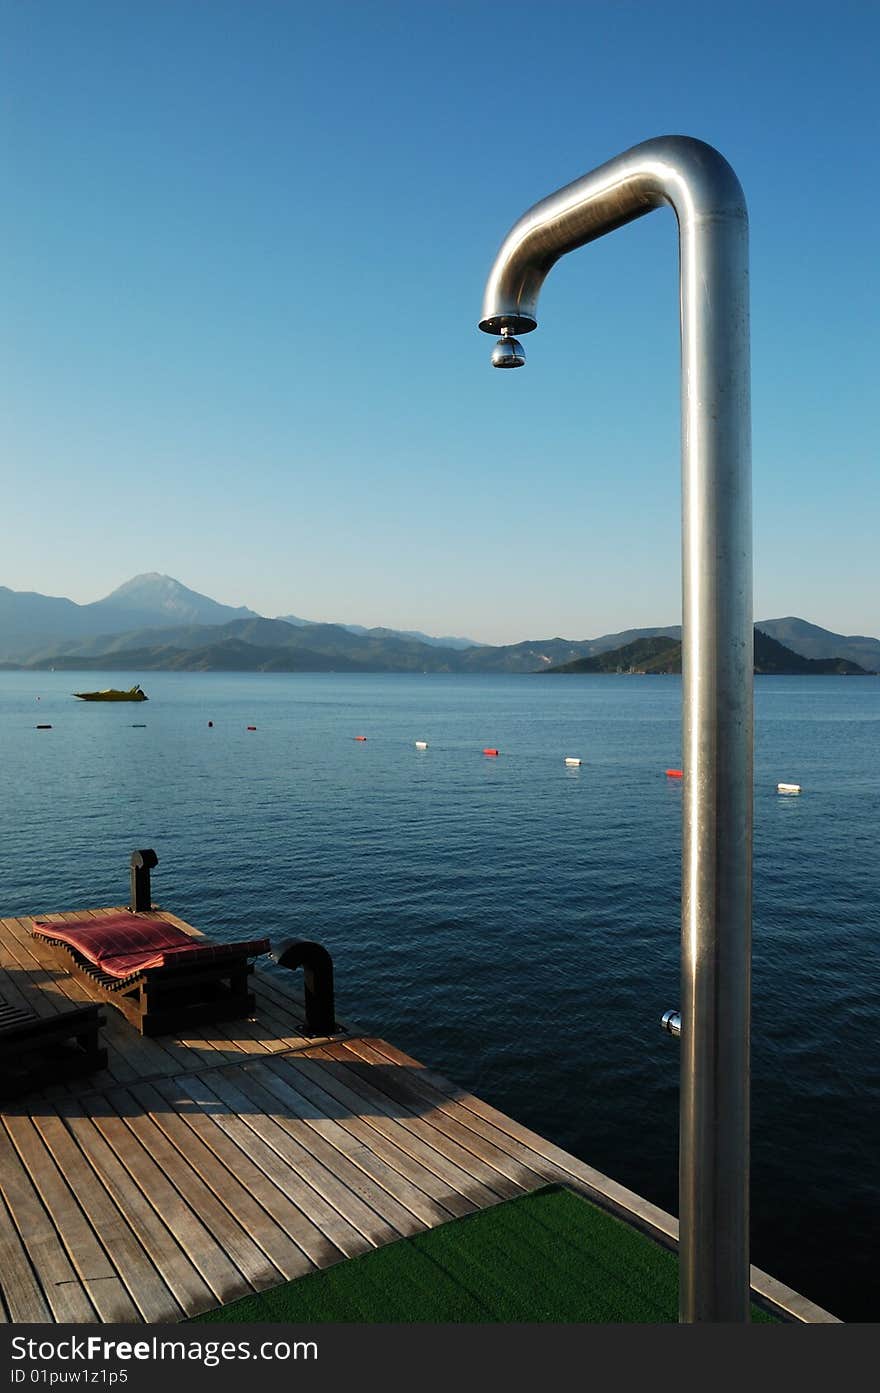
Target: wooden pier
[{"x": 199, "y": 1167}]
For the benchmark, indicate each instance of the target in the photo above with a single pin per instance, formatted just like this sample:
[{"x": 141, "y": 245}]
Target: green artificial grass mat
[{"x": 547, "y": 1256}]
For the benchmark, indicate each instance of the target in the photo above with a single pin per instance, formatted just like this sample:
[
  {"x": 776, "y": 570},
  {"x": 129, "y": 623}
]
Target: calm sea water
[{"x": 512, "y": 922}]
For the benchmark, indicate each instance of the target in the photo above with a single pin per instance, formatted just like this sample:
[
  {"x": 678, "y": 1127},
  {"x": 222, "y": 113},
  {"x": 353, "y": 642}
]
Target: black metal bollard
[
  {"x": 141, "y": 864},
  {"x": 317, "y": 966}
]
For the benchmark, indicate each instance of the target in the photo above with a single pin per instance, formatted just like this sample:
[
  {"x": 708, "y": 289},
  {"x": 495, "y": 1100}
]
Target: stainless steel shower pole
[{"x": 710, "y": 208}]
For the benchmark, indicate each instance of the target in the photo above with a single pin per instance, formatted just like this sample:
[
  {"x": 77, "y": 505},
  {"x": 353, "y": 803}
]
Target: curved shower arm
[{"x": 689, "y": 175}]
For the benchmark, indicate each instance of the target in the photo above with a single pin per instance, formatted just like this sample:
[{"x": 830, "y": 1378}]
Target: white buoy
[
  {"x": 788, "y": 788},
  {"x": 570, "y": 760},
  {"x": 421, "y": 744}
]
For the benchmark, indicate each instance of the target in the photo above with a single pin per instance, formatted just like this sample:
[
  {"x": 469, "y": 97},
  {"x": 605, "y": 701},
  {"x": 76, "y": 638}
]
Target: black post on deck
[
  {"x": 142, "y": 863},
  {"x": 317, "y": 966}
]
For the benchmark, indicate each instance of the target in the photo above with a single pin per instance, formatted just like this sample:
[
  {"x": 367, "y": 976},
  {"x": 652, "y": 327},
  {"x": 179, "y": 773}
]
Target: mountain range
[
  {"x": 662, "y": 655},
  {"x": 153, "y": 622}
]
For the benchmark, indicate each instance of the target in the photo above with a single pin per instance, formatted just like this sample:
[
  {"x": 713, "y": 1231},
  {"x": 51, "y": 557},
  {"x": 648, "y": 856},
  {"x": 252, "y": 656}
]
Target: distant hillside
[
  {"x": 251, "y": 645},
  {"x": 812, "y": 642},
  {"x": 272, "y": 645},
  {"x": 220, "y": 655},
  {"x": 643, "y": 655},
  {"x": 443, "y": 642},
  {"x": 662, "y": 655},
  {"x": 27, "y": 618},
  {"x": 367, "y": 651},
  {"x": 771, "y": 656}
]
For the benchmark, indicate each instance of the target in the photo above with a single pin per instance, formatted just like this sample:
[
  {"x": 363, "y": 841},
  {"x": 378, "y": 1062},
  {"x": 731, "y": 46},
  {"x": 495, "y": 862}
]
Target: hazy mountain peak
[
  {"x": 162, "y": 595},
  {"x": 147, "y": 580}
]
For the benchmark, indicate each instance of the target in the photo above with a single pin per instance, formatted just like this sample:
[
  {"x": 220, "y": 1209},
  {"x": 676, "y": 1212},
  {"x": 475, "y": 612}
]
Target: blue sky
[{"x": 246, "y": 244}]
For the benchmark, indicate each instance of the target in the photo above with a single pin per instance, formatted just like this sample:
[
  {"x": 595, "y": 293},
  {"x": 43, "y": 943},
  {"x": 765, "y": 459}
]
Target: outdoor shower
[{"x": 717, "y": 654}]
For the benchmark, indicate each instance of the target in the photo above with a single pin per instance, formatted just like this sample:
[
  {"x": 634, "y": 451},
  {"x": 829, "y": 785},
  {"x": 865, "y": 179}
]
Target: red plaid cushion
[{"x": 122, "y": 944}]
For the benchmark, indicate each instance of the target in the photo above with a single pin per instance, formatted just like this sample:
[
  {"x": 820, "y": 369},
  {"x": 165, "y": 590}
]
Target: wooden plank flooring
[{"x": 197, "y": 1168}]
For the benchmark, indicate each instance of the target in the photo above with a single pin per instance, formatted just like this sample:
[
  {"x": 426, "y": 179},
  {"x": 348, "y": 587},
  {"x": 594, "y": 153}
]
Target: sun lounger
[
  {"x": 40, "y": 1050},
  {"x": 161, "y": 978}
]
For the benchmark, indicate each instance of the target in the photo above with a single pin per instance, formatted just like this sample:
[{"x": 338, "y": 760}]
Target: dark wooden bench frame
[
  {"x": 39, "y": 1050},
  {"x": 160, "y": 1000}
]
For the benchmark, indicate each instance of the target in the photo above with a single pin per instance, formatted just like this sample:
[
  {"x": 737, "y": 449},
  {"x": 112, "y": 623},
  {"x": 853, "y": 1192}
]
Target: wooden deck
[{"x": 197, "y": 1168}]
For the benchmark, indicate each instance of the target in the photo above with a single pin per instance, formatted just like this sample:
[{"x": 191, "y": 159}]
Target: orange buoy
[
  {"x": 491, "y": 752},
  {"x": 674, "y": 774},
  {"x": 360, "y": 737}
]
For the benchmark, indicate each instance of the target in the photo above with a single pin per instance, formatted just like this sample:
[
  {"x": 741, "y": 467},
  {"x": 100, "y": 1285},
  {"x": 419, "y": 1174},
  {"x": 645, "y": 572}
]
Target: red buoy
[
  {"x": 674, "y": 774},
  {"x": 491, "y": 752},
  {"x": 360, "y": 737}
]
